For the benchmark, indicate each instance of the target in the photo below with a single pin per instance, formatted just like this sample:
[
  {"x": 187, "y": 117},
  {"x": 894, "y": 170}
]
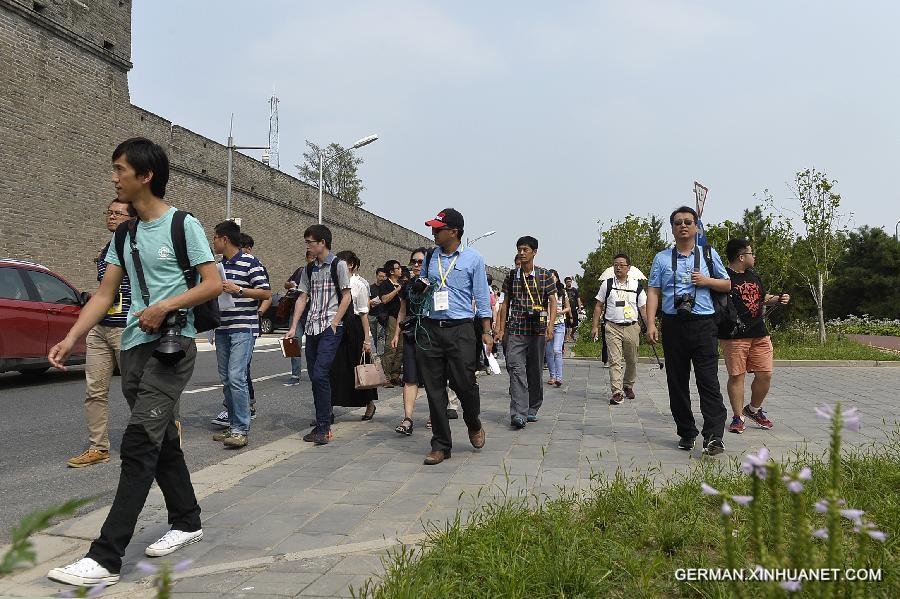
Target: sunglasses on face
[
  {"x": 415, "y": 262},
  {"x": 683, "y": 221}
]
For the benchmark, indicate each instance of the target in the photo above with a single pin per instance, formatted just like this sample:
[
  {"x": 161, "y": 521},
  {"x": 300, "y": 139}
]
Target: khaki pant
[
  {"x": 392, "y": 358},
  {"x": 622, "y": 345},
  {"x": 103, "y": 345}
]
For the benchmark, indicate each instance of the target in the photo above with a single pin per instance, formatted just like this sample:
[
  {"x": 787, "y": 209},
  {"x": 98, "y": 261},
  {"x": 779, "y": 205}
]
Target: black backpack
[
  {"x": 206, "y": 315},
  {"x": 727, "y": 317}
]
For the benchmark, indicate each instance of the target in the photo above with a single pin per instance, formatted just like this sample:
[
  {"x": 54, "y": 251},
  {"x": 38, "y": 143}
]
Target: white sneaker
[
  {"x": 172, "y": 541},
  {"x": 86, "y": 572}
]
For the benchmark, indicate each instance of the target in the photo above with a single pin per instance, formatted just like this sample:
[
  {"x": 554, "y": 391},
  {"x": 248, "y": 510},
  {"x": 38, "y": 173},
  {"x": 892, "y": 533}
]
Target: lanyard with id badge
[
  {"x": 442, "y": 295},
  {"x": 627, "y": 309}
]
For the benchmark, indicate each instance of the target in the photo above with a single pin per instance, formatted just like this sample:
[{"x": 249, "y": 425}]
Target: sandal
[
  {"x": 551, "y": 382},
  {"x": 370, "y": 411},
  {"x": 558, "y": 383},
  {"x": 403, "y": 429}
]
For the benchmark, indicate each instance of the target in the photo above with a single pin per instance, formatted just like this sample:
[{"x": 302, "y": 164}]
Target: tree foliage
[
  {"x": 339, "y": 172},
  {"x": 639, "y": 237},
  {"x": 866, "y": 278}
]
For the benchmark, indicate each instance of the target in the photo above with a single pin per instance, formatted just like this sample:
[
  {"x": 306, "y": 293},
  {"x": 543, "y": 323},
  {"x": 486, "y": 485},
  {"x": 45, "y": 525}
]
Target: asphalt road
[{"x": 43, "y": 426}]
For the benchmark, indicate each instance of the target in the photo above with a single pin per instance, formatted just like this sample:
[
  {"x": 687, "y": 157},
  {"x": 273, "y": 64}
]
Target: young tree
[
  {"x": 639, "y": 237},
  {"x": 339, "y": 172},
  {"x": 822, "y": 242}
]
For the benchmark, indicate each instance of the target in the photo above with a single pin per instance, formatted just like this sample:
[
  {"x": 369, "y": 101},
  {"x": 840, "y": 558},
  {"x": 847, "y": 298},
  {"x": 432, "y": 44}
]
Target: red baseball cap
[{"x": 448, "y": 217}]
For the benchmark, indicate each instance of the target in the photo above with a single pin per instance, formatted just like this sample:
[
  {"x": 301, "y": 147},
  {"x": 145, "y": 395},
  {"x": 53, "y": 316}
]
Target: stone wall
[{"x": 65, "y": 105}]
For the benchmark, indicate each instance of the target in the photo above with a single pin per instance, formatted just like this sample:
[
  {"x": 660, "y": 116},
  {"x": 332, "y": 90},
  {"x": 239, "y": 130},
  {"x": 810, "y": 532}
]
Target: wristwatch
[{"x": 240, "y": 292}]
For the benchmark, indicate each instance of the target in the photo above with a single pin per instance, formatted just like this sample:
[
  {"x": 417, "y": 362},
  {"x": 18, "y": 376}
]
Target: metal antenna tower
[{"x": 270, "y": 157}]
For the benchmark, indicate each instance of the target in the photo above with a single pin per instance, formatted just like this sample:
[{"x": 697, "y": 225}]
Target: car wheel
[
  {"x": 266, "y": 326},
  {"x": 34, "y": 371}
]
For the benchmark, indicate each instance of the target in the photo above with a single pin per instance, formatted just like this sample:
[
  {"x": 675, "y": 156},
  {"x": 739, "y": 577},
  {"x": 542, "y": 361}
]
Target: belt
[
  {"x": 623, "y": 324},
  {"x": 688, "y": 317},
  {"x": 448, "y": 322}
]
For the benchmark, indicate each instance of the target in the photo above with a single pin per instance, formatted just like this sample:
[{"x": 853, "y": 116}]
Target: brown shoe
[
  {"x": 221, "y": 436},
  {"x": 436, "y": 457},
  {"x": 629, "y": 393},
  {"x": 616, "y": 399},
  {"x": 235, "y": 441},
  {"x": 89, "y": 458},
  {"x": 477, "y": 438}
]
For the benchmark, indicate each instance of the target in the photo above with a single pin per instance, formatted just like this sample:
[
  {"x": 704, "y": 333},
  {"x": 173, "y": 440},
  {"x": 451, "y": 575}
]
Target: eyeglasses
[
  {"x": 749, "y": 254},
  {"x": 109, "y": 213},
  {"x": 415, "y": 262},
  {"x": 683, "y": 221},
  {"x": 309, "y": 241}
]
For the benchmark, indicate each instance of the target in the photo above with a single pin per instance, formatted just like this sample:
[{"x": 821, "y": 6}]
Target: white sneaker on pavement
[
  {"x": 86, "y": 572},
  {"x": 221, "y": 419},
  {"x": 172, "y": 541}
]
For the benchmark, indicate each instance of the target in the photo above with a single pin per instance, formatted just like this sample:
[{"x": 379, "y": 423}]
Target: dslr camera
[
  {"x": 684, "y": 305},
  {"x": 170, "y": 349},
  {"x": 420, "y": 285},
  {"x": 536, "y": 314}
]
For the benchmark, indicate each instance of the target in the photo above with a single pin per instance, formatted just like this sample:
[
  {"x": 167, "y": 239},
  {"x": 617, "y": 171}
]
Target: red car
[{"x": 37, "y": 309}]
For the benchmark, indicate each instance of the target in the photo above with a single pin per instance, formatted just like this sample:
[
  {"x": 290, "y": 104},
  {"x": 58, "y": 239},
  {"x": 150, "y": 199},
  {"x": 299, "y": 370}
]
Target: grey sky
[{"x": 540, "y": 118}]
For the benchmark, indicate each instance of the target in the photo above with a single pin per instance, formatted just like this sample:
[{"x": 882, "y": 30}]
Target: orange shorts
[{"x": 747, "y": 355}]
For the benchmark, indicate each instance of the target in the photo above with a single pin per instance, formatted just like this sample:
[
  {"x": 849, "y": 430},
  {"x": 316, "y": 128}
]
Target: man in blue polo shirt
[
  {"x": 681, "y": 277},
  {"x": 457, "y": 277},
  {"x": 245, "y": 280}
]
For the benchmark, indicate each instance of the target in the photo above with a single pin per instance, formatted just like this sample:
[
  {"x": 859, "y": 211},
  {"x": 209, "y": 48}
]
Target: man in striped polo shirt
[
  {"x": 246, "y": 281},
  {"x": 103, "y": 343}
]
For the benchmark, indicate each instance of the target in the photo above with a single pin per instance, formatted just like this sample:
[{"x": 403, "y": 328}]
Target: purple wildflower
[
  {"x": 147, "y": 568},
  {"x": 707, "y": 490},
  {"x": 849, "y": 418},
  {"x": 790, "y": 585},
  {"x": 854, "y": 515},
  {"x": 756, "y": 463},
  {"x": 793, "y": 482},
  {"x": 820, "y": 533},
  {"x": 869, "y": 529},
  {"x": 182, "y": 566},
  {"x": 726, "y": 509},
  {"x": 742, "y": 499},
  {"x": 97, "y": 589}
]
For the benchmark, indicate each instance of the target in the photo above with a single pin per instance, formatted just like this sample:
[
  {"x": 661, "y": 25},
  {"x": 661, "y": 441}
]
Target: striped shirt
[
  {"x": 118, "y": 315},
  {"x": 244, "y": 270},
  {"x": 323, "y": 298}
]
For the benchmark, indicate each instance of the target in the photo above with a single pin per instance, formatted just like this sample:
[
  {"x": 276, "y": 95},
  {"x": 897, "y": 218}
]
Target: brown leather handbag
[{"x": 367, "y": 375}]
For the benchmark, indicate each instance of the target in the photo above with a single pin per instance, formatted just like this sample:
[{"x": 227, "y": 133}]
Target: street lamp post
[
  {"x": 471, "y": 241},
  {"x": 360, "y": 143},
  {"x": 897, "y": 231},
  {"x": 231, "y": 149}
]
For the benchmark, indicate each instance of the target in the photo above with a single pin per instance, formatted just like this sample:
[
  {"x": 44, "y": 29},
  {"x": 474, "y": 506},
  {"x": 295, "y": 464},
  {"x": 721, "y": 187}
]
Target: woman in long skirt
[{"x": 355, "y": 341}]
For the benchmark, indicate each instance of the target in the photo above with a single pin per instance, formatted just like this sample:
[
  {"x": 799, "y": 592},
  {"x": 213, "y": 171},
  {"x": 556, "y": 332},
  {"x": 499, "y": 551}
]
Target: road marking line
[{"x": 262, "y": 378}]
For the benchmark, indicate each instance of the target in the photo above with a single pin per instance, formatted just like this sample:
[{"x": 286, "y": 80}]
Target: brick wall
[{"x": 64, "y": 106}]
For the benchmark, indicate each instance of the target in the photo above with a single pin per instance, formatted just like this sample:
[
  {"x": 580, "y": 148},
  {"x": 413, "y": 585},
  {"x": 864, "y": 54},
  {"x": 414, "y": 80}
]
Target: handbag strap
[{"x": 136, "y": 259}]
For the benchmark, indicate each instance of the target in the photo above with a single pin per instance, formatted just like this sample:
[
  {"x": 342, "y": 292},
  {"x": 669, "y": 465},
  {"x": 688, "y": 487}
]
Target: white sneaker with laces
[
  {"x": 86, "y": 572},
  {"x": 172, "y": 541}
]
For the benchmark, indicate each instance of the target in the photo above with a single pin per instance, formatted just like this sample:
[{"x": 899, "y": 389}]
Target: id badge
[
  {"x": 441, "y": 300},
  {"x": 620, "y": 304},
  {"x": 116, "y": 308},
  {"x": 628, "y": 313},
  {"x": 685, "y": 278}
]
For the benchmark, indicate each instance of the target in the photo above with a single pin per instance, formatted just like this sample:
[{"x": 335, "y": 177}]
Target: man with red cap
[{"x": 455, "y": 277}]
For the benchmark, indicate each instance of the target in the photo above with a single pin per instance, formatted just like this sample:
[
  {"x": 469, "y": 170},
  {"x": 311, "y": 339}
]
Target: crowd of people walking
[{"x": 433, "y": 324}]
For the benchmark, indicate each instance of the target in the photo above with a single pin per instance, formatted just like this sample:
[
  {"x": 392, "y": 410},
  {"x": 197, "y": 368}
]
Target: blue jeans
[
  {"x": 233, "y": 353},
  {"x": 320, "y": 352},
  {"x": 555, "y": 351}
]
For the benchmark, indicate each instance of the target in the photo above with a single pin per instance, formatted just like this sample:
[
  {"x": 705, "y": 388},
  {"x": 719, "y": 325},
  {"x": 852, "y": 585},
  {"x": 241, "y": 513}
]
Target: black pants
[
  {"x": 448, "y": 354},
  {"x": 151, "y": 450},
  {"x": 684, "y": 342}
]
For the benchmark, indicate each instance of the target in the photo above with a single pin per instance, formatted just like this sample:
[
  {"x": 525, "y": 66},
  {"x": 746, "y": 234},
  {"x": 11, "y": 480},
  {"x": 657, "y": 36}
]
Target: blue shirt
[
  {"x": 661, "y": 277},
  {"x": 245, "y": 271},
  {"x": 467, "y": 280}
]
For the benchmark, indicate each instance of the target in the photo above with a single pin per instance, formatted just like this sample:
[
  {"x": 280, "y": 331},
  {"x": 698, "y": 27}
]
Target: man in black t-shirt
[
  {"x": 748, "y": 347},
  {"x": 390, "y": 304},
  {"x": 376, "y": 319},
  {"x": 572, "y": 317}
]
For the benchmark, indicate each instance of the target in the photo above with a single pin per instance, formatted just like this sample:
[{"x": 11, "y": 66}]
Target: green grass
[
  {"x": 789, "y": 344},
  {"x": 625, "y": 538}
]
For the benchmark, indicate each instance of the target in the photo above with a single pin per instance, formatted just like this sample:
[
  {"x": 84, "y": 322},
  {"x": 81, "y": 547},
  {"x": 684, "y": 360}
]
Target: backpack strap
[
  {"x": 179, "y": 241},
  {"x": 136, "y": 260},
  {"x": 121, "y": 232},
  {"x": 428, "y": 257}
]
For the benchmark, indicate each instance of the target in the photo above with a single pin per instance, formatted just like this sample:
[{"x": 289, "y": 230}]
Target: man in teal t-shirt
[{"x": 151, "y": 447}]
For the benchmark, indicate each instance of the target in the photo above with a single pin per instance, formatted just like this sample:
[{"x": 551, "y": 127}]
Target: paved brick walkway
[{"x": 311, "y": 521}]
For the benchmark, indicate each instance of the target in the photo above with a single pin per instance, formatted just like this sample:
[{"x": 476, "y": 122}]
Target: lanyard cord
[
  {"x": 449, "y": 270},
  {"x": 527, "y": 288}
]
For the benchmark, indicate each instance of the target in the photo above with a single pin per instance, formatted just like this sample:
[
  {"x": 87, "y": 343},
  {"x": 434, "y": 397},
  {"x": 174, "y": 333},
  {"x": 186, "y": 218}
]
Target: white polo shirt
[{"x": 624, "y": 294}]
